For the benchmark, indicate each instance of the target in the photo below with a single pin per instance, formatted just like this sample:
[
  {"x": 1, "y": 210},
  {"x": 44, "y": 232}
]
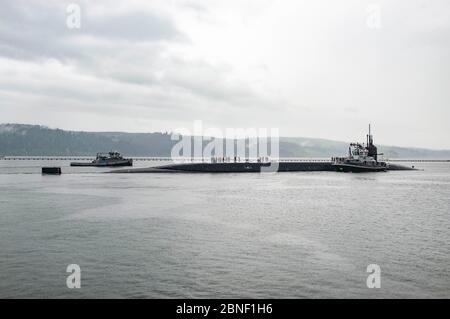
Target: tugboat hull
[
  {"x": 358, "y": 168},
  {"x": 105, "y": 164}
]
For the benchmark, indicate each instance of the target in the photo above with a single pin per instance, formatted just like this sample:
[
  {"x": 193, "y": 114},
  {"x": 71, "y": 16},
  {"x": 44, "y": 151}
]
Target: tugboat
[
  {"x": 110, "y": 159},
  {"x": 361, "y": 158}
]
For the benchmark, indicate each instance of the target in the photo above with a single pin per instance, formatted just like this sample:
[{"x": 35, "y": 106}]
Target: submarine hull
[
  {"x": 250, "y": 167},
  {"x": 303, "y": 166}
]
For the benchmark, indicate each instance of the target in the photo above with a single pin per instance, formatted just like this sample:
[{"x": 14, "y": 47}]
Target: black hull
[
  {"x": 304, "y": 166},
  {"x": 111, "y": 164},
  {"x": 250, "y": 167},
  {"x": 358, "y": 169}
]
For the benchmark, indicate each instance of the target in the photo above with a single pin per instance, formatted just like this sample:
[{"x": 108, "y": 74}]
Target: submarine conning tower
[{"x": 371, "y": 148}]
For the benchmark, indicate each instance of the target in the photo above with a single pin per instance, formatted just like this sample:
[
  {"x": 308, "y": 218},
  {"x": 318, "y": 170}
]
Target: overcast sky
[{"x": 310, "y": 68}]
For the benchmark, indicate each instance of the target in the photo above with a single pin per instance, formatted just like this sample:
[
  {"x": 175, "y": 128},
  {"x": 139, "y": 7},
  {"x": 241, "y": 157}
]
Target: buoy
[{"x": 51, "y": 170}]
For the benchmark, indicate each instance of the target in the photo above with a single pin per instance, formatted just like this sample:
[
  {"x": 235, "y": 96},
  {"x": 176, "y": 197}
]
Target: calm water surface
[{"x": 286, "y": 235}]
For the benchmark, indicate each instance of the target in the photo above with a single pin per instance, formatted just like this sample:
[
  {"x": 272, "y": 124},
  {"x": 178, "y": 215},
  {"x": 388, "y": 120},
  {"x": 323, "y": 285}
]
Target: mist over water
[{"x": 285, "y": 235}]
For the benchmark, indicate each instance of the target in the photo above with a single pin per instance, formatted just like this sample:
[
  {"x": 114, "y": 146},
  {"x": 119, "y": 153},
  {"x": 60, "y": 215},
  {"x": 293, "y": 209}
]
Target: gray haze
[
  {"x": 34, "y": 140},
  {"x": 312, "y": 68}
]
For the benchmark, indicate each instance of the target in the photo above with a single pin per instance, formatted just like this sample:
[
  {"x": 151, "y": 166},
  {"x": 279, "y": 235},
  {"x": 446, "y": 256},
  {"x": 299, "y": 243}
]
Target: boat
[
  {"x": 110, "y": 159},
  {"x": 361, "y": 158}
]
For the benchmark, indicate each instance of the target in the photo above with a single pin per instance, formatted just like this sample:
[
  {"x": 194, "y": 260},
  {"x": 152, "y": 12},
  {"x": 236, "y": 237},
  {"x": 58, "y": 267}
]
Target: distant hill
[
  {"x": 35, "y": 140},
  {"x": 29, "y": 140}
]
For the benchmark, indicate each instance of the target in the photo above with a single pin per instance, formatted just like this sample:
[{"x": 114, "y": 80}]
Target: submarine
[{"x": 361, "y": 158}]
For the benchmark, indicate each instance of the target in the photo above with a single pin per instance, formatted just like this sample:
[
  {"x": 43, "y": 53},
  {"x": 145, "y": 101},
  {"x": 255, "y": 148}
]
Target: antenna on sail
[{"x": 367, "y": 137}]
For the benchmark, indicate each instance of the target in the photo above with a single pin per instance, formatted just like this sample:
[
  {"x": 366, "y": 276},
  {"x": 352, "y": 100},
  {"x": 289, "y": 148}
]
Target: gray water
[{"x": 286, "y": 235}]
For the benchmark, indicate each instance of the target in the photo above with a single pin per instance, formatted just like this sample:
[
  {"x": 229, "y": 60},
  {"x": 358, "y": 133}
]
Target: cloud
[
  {"x": 118, "y": 60},
  {"x": 38, "y": 29},
  {"x": 134, "y": 26},
  {"x": 311, "y": 68}
]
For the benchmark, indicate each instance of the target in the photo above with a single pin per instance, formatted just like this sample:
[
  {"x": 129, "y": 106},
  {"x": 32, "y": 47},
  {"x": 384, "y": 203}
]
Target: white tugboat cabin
[{"x": 361, "y": 158}]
